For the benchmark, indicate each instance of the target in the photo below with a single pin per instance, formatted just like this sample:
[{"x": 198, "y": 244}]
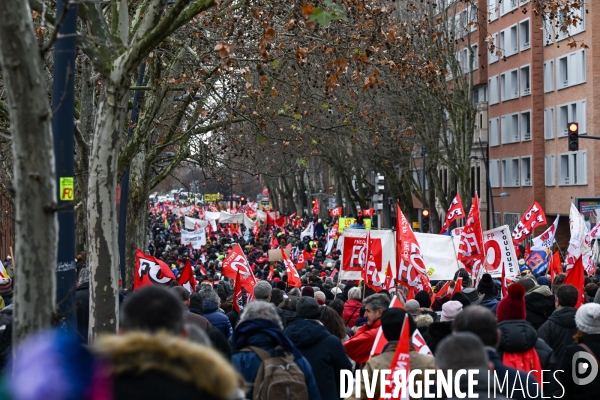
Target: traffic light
[
  {"x": 425, "y": 220},
  {"x": 573, "y": 136},
  {"x": 242, "y": 200},
  {"x": 314, "y": 202}
]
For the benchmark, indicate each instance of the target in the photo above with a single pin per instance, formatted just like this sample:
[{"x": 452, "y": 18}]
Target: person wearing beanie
[
  {"x": 461, "y": 298},
  {"x": 437, "y": 331},
  {"x": 324, "y": 351},
  {"x": 466, "y": 282},
  {"x": 320, "y": 297},
  {"x": 520, "y": 346},
  {"x": 587, "y": 340},
  {"x": 473, "y": 296},
  {"x": 425, "y": 303},
  {"x": 262, "y": 291},
  {"x": 558, "y": 331},
  {"x": 487, "y": 289},
  {"x": 392, "y": 320},
  {"x": 539, "y": 301},
  {"x": 308, "y": 291}
]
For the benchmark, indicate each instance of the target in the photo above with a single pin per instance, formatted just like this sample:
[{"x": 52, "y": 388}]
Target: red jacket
[
  {"x": 351, "y": 312},
  {"x": 358, "y": 348}
]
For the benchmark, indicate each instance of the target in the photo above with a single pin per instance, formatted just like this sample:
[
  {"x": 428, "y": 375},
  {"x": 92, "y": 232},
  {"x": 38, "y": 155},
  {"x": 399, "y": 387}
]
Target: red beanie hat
[{"x": 513, "y": 305}]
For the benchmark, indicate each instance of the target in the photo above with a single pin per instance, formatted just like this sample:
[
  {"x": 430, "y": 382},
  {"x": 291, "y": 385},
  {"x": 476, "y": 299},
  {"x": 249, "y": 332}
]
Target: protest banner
[{"x": 196, "y": 238}]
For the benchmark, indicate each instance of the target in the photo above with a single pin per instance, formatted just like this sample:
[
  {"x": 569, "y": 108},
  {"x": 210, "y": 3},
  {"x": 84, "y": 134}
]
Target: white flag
[{"x": 546, "y": 239}]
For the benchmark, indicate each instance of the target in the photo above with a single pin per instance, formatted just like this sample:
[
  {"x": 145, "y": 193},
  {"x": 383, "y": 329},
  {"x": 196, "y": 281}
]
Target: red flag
[
  {"x": 150, "y": 271},
  {"x": 575, "y": 277},
  {"x": 256, "y": 230},
  {"x": 527, "y": 251},
  {"x": 534, "y": 217},
  {"x": 301, "y": 260},
  {"x": 187, "y": 278},
  {"x": 458, "y": 286},
  {"x": 269, "y": 220},
  {"x": 274, "y": 242},
  {"x": 175, "y": 228},
  {"x": 380, "y": 340},
  {"x": 236, "y": 261},
  {"x": 410, "y": 263},
  {"x": 280, "y": 222},
  {"x": 335, "y": 212},
  {"x": 400, "y": 362},
  {"x": 555, "y": 265},
  {"x": 470, "y": 250},
  {"x": 292, "y": 274},
  {"x": 443, "y": 290},
  {"x": 271, "y": 271},
  {"x": 237, "y": 294},
  {"x": 504, "y": 291},
  {"x": 316, "y": 208},
  {"x": 202, "y": 270},
  {"x": 389, "y": 277},
  {"x": 335, "y": 271},
  {"x": 455, "y": 211},
  {"x": 370, "y": 274}
]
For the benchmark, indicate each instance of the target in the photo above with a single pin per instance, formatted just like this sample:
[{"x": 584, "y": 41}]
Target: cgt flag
[
  {"x": 187, "y": 278},
  {"x": 335, "y": 212},
  {"x": 456, "y": 211},
  {"x": 534, "y": 217},
  {"x": 471, "y": 251},
  {"x": 409, "y": 260},
  {"x": 292, "y": 274},
  {"x": 150, "y": 271},
  {"x": 235, "y": 262}
]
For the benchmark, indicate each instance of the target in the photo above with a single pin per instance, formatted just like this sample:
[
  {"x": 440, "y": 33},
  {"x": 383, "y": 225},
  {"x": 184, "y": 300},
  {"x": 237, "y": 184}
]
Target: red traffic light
[
  {"x": 425, "y": 213},
  {"x": 314, "y": 202},
  {"x": 574, "y": 127}
]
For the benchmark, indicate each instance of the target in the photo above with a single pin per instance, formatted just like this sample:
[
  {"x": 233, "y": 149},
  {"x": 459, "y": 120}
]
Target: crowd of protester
[{"x": 173, "y": 344}]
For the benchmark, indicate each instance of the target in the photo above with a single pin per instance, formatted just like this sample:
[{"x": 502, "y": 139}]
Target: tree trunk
[
  {"x": 103, "y": 255},
  {"x": 137, "y": 213},
  {"x": 35, "y": 180}
]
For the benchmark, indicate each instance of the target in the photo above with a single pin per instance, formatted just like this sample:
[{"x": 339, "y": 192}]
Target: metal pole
[
  {"x": 63, "y": 127},
  {"x": 125, "y": 180},
  {"x": 489, "y": 186},
  {"x": 424, "y": 154}
]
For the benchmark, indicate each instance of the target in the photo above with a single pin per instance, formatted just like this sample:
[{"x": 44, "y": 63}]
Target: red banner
[
  {"x": 353, "y": 255},
  {"x": 365, "y": 213},
  {"x": 150, "y": 271},
  {"x": 456, "y": 211},
  {"x": 534, "y": 217}
]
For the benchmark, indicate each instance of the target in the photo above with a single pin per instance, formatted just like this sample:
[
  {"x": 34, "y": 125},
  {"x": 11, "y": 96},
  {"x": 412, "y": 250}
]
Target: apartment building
[{"x": 537, "y": 84}]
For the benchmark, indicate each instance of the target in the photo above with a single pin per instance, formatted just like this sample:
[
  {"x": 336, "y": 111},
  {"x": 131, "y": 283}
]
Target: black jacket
[
  {"x": 539, "y": 308},
  {"x": 558, "y": 331},
  {"x": 286, "y": 316},
  {"x": 436, "y": 332},
  {"x": 82, "y": 301},
  {"x": 580, "y": 392},
  {"x": 517, "y": 336},
  {"x": 323, "y": 351}
]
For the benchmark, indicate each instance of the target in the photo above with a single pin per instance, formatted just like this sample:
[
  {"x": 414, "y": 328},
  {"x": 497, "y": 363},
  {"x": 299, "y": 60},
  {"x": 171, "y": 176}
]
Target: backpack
[
  {"x": 278, "y": 377},
  {"x": 525, "y": 361}
]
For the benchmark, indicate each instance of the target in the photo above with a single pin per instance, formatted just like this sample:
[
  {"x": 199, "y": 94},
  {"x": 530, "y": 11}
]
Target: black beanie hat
[
  {"x": 391, "y": 323},
  {"x": 423, "y": 298},
  {"x": 486, "y": 285},
  {"x": 308, "y": 308},
  {"x": 462, "y": 298}
]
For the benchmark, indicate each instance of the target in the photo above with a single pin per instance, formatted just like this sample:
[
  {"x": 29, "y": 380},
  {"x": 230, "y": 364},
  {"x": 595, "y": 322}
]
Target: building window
[
  {"x": 549, "y": 76},
  {"x": 526, "y": 125},
  {"x": 494, "y": 132},
  {"x": 508, "y": 5},
  {"x": 549, "y": 123},
  {"x": 509, "y": 85},
  {"x": 509, "y": 128},
  {"x": 475, "y": 57},
  {"x": 549, "y": 170},
  {"x": 492, "y": 10},
  {"x": 525, "y": 81},
  {"x": 570, "y": 69},
  {"x": 526, "y": 171},
  {"x": 493, "y": 56},
  {"x": 572, "y": 112},
  {"x": 572, "y": 30},
  {"x": 572, "y": 168},
  {"x": 524, "y": 34},
  {"x": 495, "y": 173},
  {"x": 510, "y": 172},
  {"x": 511, "y": 219},
  {"x": 509, "y": 41},
  {"x": 493, "y": 89},
  {"x": 549, "y": 30}
]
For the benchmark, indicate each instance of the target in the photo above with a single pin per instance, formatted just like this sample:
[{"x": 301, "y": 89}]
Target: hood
[
  {"x": 353, "y": 305},
  {"x": 181, "y": 359},
  {"x": 306, "y": 333},
  {"x": 541, "y": 289},
  {"x": 564, "y": 317},
  {"x": 516, "y": 336},
  {"x": 209, "y": 306}
]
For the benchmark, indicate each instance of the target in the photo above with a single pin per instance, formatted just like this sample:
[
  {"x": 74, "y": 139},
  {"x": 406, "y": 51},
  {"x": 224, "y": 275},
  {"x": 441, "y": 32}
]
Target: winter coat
[
  {"x": 517, "y": 336},
  {"x": 540, "y": 305},
  {"x": 323, "y": 351},
  {"x": 82, "y": 301},
  {"x": 580, "y": 392},
  {"x": 359, "y": 346},
  {"x": 491, "y": 303},
  {"x": 558, "y": 331},
  {"x": 436, "y": 332},
  {"x": 197, "y": 320},
  {"x": 480, "y": 390},
  {"x": 384, "y": 360},
  {"x": 216, "y": 318},
  {"x": 351, "y": 312},
  {"x": 502, "y": 370},
  {"x": 161, "y": 366}
]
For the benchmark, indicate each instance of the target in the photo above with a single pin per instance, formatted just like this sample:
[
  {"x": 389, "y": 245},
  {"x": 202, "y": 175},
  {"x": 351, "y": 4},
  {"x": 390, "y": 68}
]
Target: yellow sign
[
  {"x": 416, "y": 225},
  {"x": 212, "y": 197},
  {"x": 67, "y": 189},
  {"x": 346, "y": 222}
]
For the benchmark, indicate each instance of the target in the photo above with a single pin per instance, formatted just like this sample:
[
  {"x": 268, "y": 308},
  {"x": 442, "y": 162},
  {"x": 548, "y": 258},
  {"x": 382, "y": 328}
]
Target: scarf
[{"x": 248, "y": 328}]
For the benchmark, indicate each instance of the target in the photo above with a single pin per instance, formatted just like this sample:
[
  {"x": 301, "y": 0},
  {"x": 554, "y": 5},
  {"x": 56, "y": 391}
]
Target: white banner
[
  {"x": 500, "y": 251},
  {"x": 194, "y": 223},
  {"x": 211, "y": 215},
  {"x": 228, "y": 218},
  {"x": 351, "y": 244},
  {"x": 196, "y": 238},
  {"x": 183, "y": 211},
  {"x": 248, "y": 222},
  {"x": 439, "y": 254}
]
